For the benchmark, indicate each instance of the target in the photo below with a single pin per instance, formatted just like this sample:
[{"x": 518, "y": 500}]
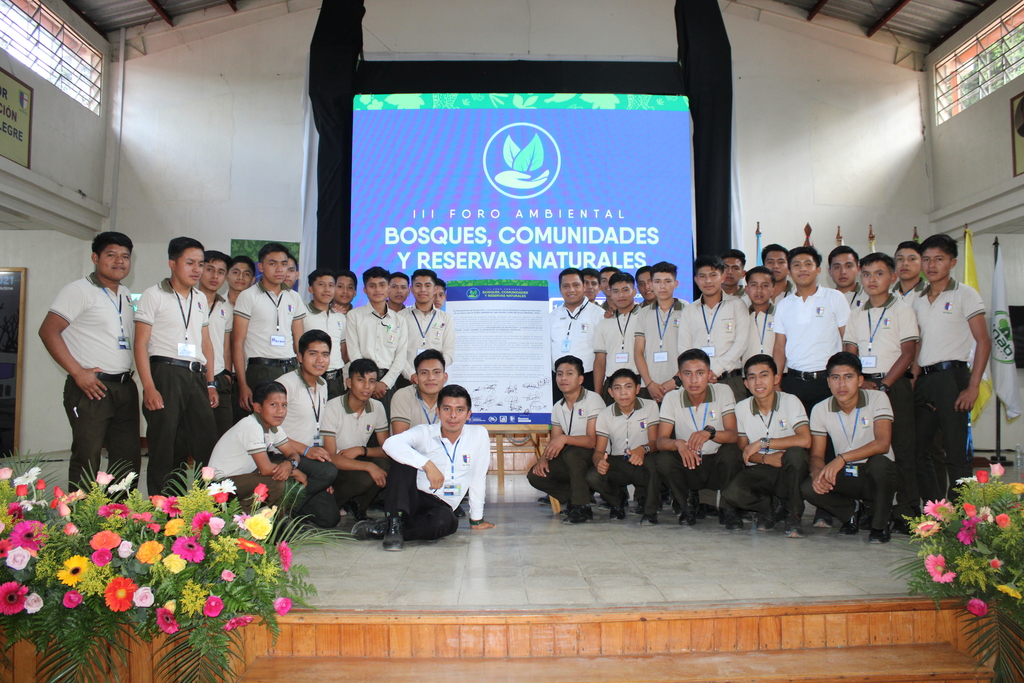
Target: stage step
[{"x": 890, "y": 664}]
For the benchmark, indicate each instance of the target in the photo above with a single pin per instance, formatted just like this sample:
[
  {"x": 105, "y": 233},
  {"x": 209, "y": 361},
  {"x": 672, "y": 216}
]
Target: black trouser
[
  {"x": 112, "y": 421},
  {"x": 715, "y": 471},
  {"x": 901, "y": 396},
  {"x": 876, "y": 481},
  {"x": 735, "y": 382},
  {"x": 257, "y": 374},
  {"x": 753, "y": 488},
  {"x": 358, "y": 486},
  {"x": 313, "y": 503},
  {"x": 934, "y": 398},
  {"x": 224, "y": 413},
  {"x": 621, "y": 472},
  {"x": 566, "y": 480},
  {"x": 556, "y": 393},
  {"x": 810, "y": 391},
  {"x": 426, "y": 517},
  {"x": 336, "y": 386},
  {"x": 184, "y": 426}
]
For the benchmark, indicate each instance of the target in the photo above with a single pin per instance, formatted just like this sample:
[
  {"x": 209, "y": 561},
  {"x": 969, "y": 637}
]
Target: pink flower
[
  {"x": 926, "y": 528},
  {"x": 997, "y": 469},
  {"x": 216, "y": 525},
  {"x": 70, "y": 529},
  {"x": 977, "y": 607},
  {"x": 207, "y": 473},
  {"x": 237, "y": 622},
  {"x": 15, "y": 511},
  {"x": 213, "y": 607},
  {"x": 227, "y": 575},
  {"x": 968, "y": 532},
  {"x": 189, "y": 549},
  {"x": 940, "y": 510},
  {"x": 102, "y": 478},
  {"x": 6, "y": 473},
  {"x": 17, "y": 558},
  {"x": 142, "y": 516},
  {"x": 282, "y": 606},
  {"x": 240, "y": 519},
  {"x": 113, "y": 510},
  {"x": 982, "y": 477},
  {"x": 166, "y": 621},
  {"x": 63, "y": 509},
  {"x": 201, "y": 519},
  {"x": 29, "y": 535},
  {"x": 168, "y": 506},
  {"x": 154, "y": 527},
  {"x": 102, "y": 557},
  {"x": 936, "y": 566},
  {"x": 260, "y": 492},
  {"x": 33, "y": 603},
  {"x": 143, "y": 597},
  {"x": 996, "y": 563},
  {"x": 286, "y": 555},
  {"x": 72, "y": 599},
  {"x": 12, "y": 597},
  {"x": 1003, "y": 521},
  {"x": 125, "y": 550}
]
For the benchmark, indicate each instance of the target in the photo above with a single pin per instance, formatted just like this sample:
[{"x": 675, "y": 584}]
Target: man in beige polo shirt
[
  {"x": 378, "y": 333},
  {"x": 613, "y": 346},
  {"x": 429, "y": 327},
  {"x": 656, "y": 343},
  {"x": 321, "y": 316}
]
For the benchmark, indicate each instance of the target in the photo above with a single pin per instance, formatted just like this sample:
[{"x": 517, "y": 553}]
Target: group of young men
[
  {"x": 348, "y": 403},
  {"x": 770, "y": 388}
]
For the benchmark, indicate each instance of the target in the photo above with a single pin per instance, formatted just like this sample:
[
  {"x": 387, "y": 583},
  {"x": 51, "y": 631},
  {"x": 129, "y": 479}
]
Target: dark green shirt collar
[{"x": 862, "y": 401}]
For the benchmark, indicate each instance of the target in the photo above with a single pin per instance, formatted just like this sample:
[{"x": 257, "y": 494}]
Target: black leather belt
[
  {"x": 273, "y": 362},
  {"x": 808, "y": 376},
  {"x": 381, "y": 372},
  {"x": 877, "y": 377},
  {"x": 190, "y": 365},
  {"x": 733, "y": 373},
  {"x": 122, "y": 378},
  {"x": 944, "y": 365},
  {"x": 332, "y": 375},
  {"x": 223, "y": 379}
]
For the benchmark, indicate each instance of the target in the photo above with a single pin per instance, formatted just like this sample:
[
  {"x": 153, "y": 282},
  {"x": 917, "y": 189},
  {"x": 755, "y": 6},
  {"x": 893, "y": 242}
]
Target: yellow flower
[
  {"x": 174, "y": 563},
  {"x": 74, "y": 570},
  {"x": 1009, "y": 590},
  {"x": 1017, "y": 488},
  {"x": 259, "y": 527},
  {"x": 174, "y": 527},
  {"x": 267, "y": 512},
  {"x": 170, "y": 606}
]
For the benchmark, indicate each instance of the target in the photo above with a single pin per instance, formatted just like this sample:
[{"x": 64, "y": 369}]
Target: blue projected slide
[{"x": 520, "y": 186}]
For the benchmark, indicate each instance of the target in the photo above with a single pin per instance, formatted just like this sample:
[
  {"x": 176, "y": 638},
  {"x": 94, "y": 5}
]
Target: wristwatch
[
  {"x": 710, "y": 430},
  {"x": 764, "y": 444},
  {"x": 679, "y": 382},
  {"x": 883, "y": 387},
  {"x": 295, "y": 463},
  {"x": 647, "y": 449}
]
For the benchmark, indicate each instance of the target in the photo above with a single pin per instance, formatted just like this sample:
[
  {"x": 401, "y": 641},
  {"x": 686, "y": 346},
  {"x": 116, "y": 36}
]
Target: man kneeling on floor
[
  {"x": 433, "y": 467},
  {"x": 245, "y": 447},
  {"x": 860, "y": 424}
]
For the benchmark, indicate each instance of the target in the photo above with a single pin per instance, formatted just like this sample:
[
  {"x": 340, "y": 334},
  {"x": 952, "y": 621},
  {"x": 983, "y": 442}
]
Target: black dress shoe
[
  {"x": 395, "y": 538},
  {"x": 765, "y": 521},
  {"x": 852, "y": 525},
  {"x": 353, "y": 510},
  {"x": 370, "y": 529},
  {"x": 822, "y": 519},
  {"x": 879, "y": 536},
  {"x": 578, "y": 514},
  {"x": 865, "y": 517},
  {"x": 616, "y": 512},
  {"x": 649, "y": 520},
  {"x": 731, "y": 517},
  {"x": 689, "y": 514},
  {"x": 460, "y": 512}
]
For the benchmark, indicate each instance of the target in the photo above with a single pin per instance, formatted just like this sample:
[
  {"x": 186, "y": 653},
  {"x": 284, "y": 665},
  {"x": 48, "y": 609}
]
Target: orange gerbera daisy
[
  {"x": 150, "y": 552},
  {"x": 119, "y": 594},
  {"x": 105, "y": 539},
  {"x": 250, "y": 547}
]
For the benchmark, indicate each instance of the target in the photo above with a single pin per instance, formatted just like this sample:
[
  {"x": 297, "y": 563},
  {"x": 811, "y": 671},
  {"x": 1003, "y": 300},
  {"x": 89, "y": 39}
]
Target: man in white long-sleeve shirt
[{"x": 434, "y": 467}]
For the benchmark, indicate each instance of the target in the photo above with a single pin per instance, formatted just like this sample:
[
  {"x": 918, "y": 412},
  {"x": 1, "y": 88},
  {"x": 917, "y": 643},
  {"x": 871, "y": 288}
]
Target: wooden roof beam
[
  {"x": 893, "y": 11},
  {"x": 817, "y": 8},
  {"x": 162, "y": 12},
  {"x": 232, "y": 4}
]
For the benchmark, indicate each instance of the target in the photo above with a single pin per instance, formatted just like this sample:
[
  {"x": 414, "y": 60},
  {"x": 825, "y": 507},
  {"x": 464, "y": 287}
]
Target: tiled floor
[{"x": 531, "y": 559}]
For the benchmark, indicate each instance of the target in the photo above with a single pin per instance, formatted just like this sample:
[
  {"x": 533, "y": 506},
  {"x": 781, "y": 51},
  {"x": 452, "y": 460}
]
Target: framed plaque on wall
[{"x": 12, "y": 333}]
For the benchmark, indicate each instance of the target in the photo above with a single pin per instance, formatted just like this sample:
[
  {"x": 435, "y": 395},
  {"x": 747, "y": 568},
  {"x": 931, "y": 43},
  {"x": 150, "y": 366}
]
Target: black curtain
[{"x": 336, "y": 75}]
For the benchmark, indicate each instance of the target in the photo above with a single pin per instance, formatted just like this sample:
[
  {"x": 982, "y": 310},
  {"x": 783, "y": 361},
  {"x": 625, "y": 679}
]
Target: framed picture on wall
[
  {"x": 1017, "y": 118},
  {"x": 12, "y": 336}
]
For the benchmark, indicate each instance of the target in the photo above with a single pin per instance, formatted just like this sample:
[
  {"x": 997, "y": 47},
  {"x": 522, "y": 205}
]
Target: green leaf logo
[
  {"x": 531, "y": 157},
  {"x": 509, "y": 151}
]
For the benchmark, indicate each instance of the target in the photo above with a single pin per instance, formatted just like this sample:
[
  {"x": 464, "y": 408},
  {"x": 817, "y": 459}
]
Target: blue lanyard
[
  {"x": 856, "y": 419},
  {"x": 119, "y": 306},
  {"x": 871, "y": 339},
  {"x": 423, "y": 335},
  {"x": 657, "y": 317},
  {"x": 764, "y": 328},
  {"x": 707, "y": 327},
  {"x": 451, "y": 458},
  {"x": 423, "y": 407},
  {"x": 703, "y": 420}
]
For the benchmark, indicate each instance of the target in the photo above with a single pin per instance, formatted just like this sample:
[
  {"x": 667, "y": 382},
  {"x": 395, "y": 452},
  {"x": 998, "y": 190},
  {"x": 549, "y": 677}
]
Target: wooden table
[{"x": 499, "y": 431}]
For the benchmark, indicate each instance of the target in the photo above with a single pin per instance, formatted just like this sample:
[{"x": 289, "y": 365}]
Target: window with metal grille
[
  {"x": 40, "y": 40},
  {"x": 986, "y": 62}
]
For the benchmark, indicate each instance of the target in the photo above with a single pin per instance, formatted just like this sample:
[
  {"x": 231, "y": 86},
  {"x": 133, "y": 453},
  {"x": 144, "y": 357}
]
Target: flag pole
[{"x": 998, "y": 457}]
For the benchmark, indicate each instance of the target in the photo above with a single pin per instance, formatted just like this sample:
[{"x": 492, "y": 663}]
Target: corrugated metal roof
[{"x": 111, "y": 15}]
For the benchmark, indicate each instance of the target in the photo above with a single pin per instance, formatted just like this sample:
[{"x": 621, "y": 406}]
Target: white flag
[{"x": 1004, "y": 370}]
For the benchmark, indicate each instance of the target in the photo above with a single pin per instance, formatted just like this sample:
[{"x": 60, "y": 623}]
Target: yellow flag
[{"x": 971, "y": 279}]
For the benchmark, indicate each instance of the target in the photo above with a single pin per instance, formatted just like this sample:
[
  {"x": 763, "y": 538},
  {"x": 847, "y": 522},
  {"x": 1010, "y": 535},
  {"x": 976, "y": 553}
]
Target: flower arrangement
[
  {"x": 84, "y": 573},
  {"x": 973, "y": 550}
]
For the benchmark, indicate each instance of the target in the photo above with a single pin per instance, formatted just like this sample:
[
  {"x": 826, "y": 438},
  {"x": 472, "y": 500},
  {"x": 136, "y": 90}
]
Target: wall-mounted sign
[
  {"x": 15, "y": 119},
  {"x": 12, "y": 338}
]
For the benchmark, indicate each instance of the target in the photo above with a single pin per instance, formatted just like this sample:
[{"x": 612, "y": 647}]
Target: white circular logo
[{"x": 522, "y": 160}]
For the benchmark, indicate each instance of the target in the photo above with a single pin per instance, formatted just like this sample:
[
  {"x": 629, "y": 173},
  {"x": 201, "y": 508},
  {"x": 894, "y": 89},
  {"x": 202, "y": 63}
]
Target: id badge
[
  {"x": 710, "y": 350},
  {"x": 661, "y": 356},
  {"x": 869, "y": 361},
  {"x": 277, "y": 340},
  {"x": 318, "y": 441},
  {"x": 186, "y": 350},
  {"x": 622, "y": 357},
  {"x": 451, "y": 490},
  {"x": 566, "y": 345},
  {"x": 123, "y": 344},
  {"x": 419, "y": 351},
  {"x": 851, "y": 470}
]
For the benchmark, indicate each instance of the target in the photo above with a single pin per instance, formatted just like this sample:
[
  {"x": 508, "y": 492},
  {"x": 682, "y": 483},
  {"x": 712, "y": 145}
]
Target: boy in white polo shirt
[
  {"x": 697, "y": 438},
  {"x": 613, "y": 347},
  {"x": 429, "y": 326},
  {"x": 952, "y": 320},
  {"x": 627, "y": 433},
  {"x": 561, "y": 471},
  {"x": 717, "y": 323},
  {"x": 774, "y": 437},
  {"x": 172, "y": 345},
  {"x": 320, "y": 316},
  {"x": 656, "y": 345},
  {"x": 222, "y": 316},
  {"x": 267, "y": 327},
  {"x": 762, "y": 314},
  {"x": 349, "y": 422},
  {"x": 859, "y": 421},
  {"x": 88, "y": 332},
  {"x": 307, "y": 394}
]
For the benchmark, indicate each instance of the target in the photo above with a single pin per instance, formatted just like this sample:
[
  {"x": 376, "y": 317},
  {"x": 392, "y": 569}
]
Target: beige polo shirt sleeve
[{"x": 856, "y": 430}]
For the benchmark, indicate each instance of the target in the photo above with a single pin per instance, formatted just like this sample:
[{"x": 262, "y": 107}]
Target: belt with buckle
[
  {"x": 331, "y": 375},
  {"x": 273, "y": 362},
  {"x": 190, "y": 365},
  {"x": 944, "y": 365},
  {"x": 808, "y": 376},
  {"x": 877, "y": 377},
  {"x": 120, "y": 378}
]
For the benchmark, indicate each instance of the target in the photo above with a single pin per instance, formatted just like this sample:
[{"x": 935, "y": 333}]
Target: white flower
[
  {"x": 28, "y": 478},
  {"x": 143, "y": 597},
  {"x": 123, "y": 484},
  {"x": 965, "y": 480},
  {"x": 226, "y": 486},
  {"x": 18, "y": 558},
  {"x": 33, "y": 603},
  {"x": 125, "y": 550}
]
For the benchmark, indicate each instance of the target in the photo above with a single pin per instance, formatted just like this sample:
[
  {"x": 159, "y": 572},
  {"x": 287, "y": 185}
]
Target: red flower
[
  {"x": 200, "y": 520},
  {"x": 12, "y": 597},
  {"x": 21, "y": 490},
  {"x": 970, "y": 510},
  {"x": 119, "y": 594},
  {"x": 221, "y": 497},
  {"x": 41, "y": 485},
  {"x": 15, "y": 511},
  {"x": 113, "y": 510},
  {"x": 260, "y": 492},
  {"x": 1003, "y": 521},
  {"x": 250, "y": 547},
  {"x": 5, "y": 546},
  {"x": 166, "y": 621},
  {"x": 105, "y": 539},
  {"x": 982, "y": 476}
]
